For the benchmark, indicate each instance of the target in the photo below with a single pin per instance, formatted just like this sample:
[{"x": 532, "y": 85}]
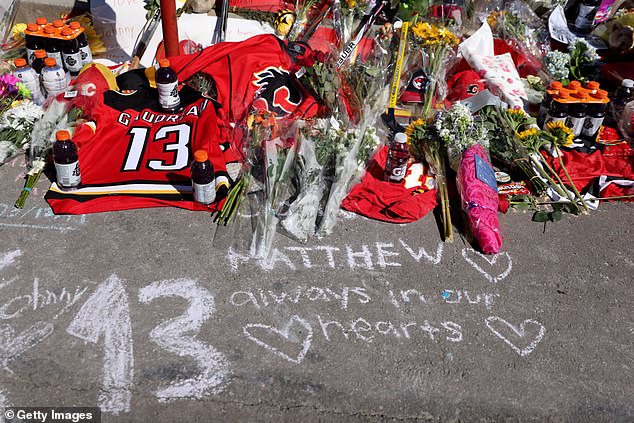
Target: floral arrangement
[
  {"x": 558, "y": 65},
  {"x": 437, "y": 46},
  {"x": 16, "y": 126},
  {"x": 426, "y": 145}
]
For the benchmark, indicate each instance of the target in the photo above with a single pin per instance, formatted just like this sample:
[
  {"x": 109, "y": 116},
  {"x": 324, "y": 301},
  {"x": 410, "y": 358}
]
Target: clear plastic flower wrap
[
  {"x": 516, "y": 23},
  {"x": 435, "y": 45},
  {"x": 300, "y": 215}
]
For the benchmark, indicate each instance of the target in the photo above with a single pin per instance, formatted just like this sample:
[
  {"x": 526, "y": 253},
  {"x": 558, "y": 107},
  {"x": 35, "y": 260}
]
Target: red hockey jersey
[
  {"x": 132, "y": 155},
  {"x": 258, "y": 70}
]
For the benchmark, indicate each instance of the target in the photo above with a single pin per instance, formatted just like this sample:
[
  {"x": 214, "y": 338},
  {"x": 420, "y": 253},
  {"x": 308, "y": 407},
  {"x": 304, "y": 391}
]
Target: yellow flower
[
  {"x": 527, "y": 133},
  {"x": 18, "y": 31},
  {"x": 493, "y": 19},
  {"x": 551, "y": 126},
  {"x": 516, "y": 112}
]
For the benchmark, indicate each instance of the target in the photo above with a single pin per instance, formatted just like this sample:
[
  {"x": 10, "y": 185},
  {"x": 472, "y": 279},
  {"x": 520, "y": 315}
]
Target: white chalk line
[
  {"x": 520, "y": 332},
  {"x": 29, "y": 226}
]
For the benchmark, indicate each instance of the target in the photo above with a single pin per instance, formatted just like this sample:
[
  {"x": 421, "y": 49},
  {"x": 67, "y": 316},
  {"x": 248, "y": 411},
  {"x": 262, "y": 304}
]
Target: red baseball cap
[{"x": 463, "y": 85}]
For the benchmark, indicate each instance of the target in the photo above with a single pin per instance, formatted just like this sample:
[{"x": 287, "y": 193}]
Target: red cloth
[
  {"x": 388, "y": 201},
  {"x": 584, "y": 168}
]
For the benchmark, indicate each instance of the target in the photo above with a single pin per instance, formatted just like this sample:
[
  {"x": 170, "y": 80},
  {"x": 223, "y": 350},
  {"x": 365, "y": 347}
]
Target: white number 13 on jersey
[{"x": 138, "y": 144}]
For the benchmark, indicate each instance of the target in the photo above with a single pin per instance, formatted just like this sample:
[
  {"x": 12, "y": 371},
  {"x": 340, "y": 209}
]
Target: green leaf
[
  {"x": 556, "y": 215},
  {"x": 541, "y": 216}
]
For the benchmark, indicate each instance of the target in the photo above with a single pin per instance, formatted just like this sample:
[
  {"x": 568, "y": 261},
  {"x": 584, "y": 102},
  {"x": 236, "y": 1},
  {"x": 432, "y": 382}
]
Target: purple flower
[{"x": 8, "y": 84}]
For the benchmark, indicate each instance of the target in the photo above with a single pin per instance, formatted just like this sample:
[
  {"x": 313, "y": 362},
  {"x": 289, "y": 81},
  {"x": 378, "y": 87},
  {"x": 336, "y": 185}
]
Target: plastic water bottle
[
  {"x": 32, "y": 42},
  {"x": 38, "y": 63},
  {"x": 397, "y": 157},
  {"x": 203, "y": 180},
  {"x": 70, "y": 52},
  {"x": 52, "y": 45},
  {"x": 30, "y": 79},
  {"x": 82, "y": 39},
  {"x": 167, "y": 85},
  {"x": 66, "y": 161},
  {"x": 53, "y": 78}
]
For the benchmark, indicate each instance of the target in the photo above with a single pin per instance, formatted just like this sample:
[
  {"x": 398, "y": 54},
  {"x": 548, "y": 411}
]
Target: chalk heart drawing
[
  {"x": 513, "y": 335},
  {"x": 284, "y": 333},
  {"x": 483, "y": 263}
]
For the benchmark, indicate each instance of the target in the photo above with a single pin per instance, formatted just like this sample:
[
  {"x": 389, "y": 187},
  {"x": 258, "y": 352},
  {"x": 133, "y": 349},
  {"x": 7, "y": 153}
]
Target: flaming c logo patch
[{"x": 276, "y": 92}]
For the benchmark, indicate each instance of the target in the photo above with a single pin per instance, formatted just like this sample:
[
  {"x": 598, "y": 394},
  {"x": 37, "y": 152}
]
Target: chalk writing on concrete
[
  {"x": 522, "y": 338},
  {"x": 486, "y": 265},
  {"x": 106, "y": 316},
  {"x": 297, "y": 332},
  {"x": 375, "y": 256},
  {"x": 38, "y": 298},
  {"x": 178, "y": 336},
  {"x": 38, "y": 218}
]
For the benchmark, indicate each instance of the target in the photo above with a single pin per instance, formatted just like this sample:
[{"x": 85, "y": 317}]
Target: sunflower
[
  {"x": 562, "y": 135},
  {"x": 527, "y": 133}
]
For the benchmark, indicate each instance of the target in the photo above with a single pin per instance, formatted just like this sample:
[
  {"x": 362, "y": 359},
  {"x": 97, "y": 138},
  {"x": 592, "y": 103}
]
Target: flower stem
[
  {"x": 555, "y": 185},
  {"x": 572, "y": 185}
]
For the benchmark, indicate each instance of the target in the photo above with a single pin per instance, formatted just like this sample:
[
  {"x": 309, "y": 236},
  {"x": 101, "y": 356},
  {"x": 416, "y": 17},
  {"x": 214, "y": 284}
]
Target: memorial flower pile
[{"x": 343, "y": 79}]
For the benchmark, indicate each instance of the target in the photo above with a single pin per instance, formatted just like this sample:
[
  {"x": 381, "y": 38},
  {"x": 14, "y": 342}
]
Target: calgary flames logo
[{"x": 276, "y": 92}]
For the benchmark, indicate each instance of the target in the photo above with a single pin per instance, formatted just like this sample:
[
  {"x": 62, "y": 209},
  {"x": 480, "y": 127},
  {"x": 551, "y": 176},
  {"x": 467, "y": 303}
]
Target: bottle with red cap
[
  {"x": 595, "y": 115},
  {"x": 70, "y": 52},
  {"x": 38, "y": 63},
  {"x": 30, "y": 79},
  {"x": 167, "y": 85},
  {"x": 41, "y": 22},
  {"x": 397, "y": 157},
  {"x": 203, "y": 179},
  {"x": 558, "y": 111},
  {"x": 547, "y": 101},
  {"x": 32, "y": 41},
  {"x": 82, "y": 39},
  {"x": 52, "y": 45},
  {"x": 66, "y": 161},
  {"x": 53, "y": 77},
  {"x": 577, "y": 112}
]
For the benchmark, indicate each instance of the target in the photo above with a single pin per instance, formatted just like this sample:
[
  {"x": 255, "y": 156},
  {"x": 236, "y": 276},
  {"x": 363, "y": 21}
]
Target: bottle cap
[
  {"x": 32, "y": 27},
  {"x": 563, "y": 93},
  {"x": 67, "y": 31},
  {"x": 75, "y": 25},
  {"x": 556, "y": 85},
  {"x": 574, "y": 85},
  {"x": 200, "y": 156},
  {"x": 49, "y": 30},
  {"x": 62, "y": 135},
  {"x": 628, "y": 83},
  {"x": 400, "y": 138},
  {"x": 580, "y": 94},
  {"x": 50, "y": 62},
  {"x": 601, "y": 94},
  {"x": 593, "y": 85},
  {"x": 20, "y": 62},
  {"x": 41, "y": 21},
  {"x": 164, "y": 63},
  {"x": 58, "y": 23},
  {"x": 40, "y": 54}
]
